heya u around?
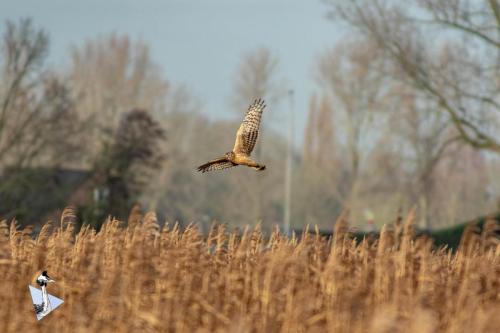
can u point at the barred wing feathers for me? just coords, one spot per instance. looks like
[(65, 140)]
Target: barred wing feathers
[(217, 164), (247, 134)]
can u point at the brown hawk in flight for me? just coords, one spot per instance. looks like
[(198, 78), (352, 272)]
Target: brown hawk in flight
[(246, 137)]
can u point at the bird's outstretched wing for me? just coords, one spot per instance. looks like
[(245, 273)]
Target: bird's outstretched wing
[(247, 134), (217, 164)]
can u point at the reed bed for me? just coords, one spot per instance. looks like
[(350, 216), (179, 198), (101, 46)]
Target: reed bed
[(140, 277)]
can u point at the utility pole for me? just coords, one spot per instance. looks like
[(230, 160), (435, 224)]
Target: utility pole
[(288, 167)]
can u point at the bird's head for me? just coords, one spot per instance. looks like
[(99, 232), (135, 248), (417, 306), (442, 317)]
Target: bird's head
[(230, 155)]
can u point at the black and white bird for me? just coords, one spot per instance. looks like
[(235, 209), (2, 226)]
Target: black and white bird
[(44, 308), (43, 279)]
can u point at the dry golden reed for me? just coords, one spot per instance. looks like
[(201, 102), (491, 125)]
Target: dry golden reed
[(147, 278)]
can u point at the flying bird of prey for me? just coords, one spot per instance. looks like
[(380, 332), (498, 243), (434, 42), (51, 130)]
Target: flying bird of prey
[(246, 137)]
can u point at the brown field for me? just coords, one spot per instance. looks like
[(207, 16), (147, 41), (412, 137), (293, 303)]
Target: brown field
[(143, 278)]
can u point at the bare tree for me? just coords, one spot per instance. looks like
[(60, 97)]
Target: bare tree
[(350, 75), (425, 138), (256, 78), (318, 198), (462, 186), (319, 142), (467, 86), (39, 128), (110, 76), (37, 117)]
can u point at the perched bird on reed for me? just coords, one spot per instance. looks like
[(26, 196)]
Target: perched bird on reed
[(246, 137)]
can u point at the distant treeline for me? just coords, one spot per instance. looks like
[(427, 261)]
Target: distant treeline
[(449, 237)]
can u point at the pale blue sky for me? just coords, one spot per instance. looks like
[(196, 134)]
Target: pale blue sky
[(198, 44)]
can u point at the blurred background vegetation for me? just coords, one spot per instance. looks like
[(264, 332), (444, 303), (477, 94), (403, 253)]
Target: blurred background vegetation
[(405, 113)]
